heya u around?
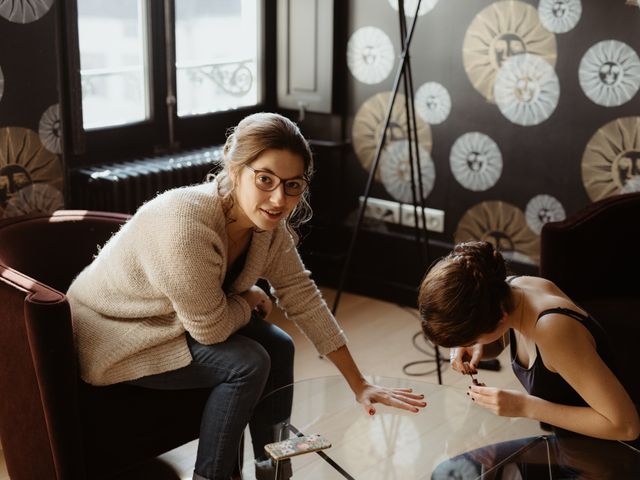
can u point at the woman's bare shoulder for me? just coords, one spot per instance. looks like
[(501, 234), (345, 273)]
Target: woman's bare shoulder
[(531, 281), (545, 295)]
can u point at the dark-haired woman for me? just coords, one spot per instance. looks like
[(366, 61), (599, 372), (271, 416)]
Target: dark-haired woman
[(559, 352)]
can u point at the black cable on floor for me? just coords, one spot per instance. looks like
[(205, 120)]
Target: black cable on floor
[(414, 340), (487, 364), (407, 366)]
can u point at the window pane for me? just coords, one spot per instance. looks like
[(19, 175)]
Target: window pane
[(113, 62), (217, 60)]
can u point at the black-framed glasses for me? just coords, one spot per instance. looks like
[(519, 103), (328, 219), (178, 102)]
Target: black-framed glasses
[(268, 182)]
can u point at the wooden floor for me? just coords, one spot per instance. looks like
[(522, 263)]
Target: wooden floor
[(381, 341)]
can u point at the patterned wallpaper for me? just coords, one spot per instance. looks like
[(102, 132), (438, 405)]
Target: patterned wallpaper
[(31, 172), (526, 110)]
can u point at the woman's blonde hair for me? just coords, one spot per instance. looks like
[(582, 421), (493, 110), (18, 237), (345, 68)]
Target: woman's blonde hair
[(254, 135)]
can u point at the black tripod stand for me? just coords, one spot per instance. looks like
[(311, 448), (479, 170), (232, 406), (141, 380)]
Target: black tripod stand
[(421, 236)]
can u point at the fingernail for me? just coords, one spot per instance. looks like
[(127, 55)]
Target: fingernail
[(415, 410), (371, 411), (469, 387), (467, 394), (421, 395), (473, 399)]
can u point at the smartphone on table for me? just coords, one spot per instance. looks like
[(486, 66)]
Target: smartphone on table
[(296, 446)]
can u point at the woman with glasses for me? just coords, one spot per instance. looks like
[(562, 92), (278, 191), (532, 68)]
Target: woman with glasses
[(171, 301)]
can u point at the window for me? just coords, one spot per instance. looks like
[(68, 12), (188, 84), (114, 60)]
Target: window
[(114, 67), (216, 55), (156, 75)]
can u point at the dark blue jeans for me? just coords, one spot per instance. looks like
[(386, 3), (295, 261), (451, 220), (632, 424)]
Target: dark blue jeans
[(254, 361), (564, 455)]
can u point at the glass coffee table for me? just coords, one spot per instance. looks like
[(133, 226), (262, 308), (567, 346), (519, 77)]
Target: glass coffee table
[(444, 440)]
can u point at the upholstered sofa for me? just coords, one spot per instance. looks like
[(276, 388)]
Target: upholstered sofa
[(52, 425), (594, 256)]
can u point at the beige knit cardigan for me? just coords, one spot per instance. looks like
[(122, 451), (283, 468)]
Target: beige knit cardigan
[(161, 274)]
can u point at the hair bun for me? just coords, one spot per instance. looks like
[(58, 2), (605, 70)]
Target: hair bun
[(481, 260)]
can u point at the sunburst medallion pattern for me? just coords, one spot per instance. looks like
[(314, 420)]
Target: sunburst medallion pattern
[(24, 11), (395, 171), (370, 55), (611, 159), (527, 90), (24, 161), (502, 224), (476, 161), (500, 31), (542, 209), (559, 16), (410, 6), (368, 126), (433, 103), (609, 73)]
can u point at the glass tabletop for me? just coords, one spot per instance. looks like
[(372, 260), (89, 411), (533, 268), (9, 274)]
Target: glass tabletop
[(557, 456), (451, 438)]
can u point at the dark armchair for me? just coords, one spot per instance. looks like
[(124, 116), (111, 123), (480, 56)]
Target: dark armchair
[(53, 425), (594, 257)]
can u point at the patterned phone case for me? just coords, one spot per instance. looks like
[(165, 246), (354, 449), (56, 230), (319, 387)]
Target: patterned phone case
[(296, 446)]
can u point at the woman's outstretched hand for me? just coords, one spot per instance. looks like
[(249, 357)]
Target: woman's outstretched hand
[(402, 398), (368, 394), (504, 403)]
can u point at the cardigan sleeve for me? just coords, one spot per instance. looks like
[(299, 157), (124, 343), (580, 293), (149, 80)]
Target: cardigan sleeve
[(184, 258), (299, 297)]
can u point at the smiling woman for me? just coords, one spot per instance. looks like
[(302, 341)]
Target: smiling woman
[(263, 151), (179, 307), (273, 196)]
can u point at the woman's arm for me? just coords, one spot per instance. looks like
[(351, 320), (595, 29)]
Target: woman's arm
[(302, 302), (568, 349), (298, 296), (368, 394), (610, 413)]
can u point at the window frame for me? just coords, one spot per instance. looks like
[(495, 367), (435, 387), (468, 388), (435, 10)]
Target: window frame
[(152, 136)]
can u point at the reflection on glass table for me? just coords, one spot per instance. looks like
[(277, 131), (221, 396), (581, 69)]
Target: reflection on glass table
[(392, 444)]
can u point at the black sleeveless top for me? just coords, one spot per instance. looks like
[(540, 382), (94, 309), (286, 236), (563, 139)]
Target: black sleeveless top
[(234, 271), (548, 385)]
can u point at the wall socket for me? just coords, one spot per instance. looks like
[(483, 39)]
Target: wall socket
[(402, 214)]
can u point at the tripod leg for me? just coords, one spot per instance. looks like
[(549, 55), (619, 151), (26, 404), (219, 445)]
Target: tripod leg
[(396, 83), (438, 364), (416, 171)]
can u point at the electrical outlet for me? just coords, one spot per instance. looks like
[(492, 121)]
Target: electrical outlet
[(383, 210), (435, 218), (403, 214)]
